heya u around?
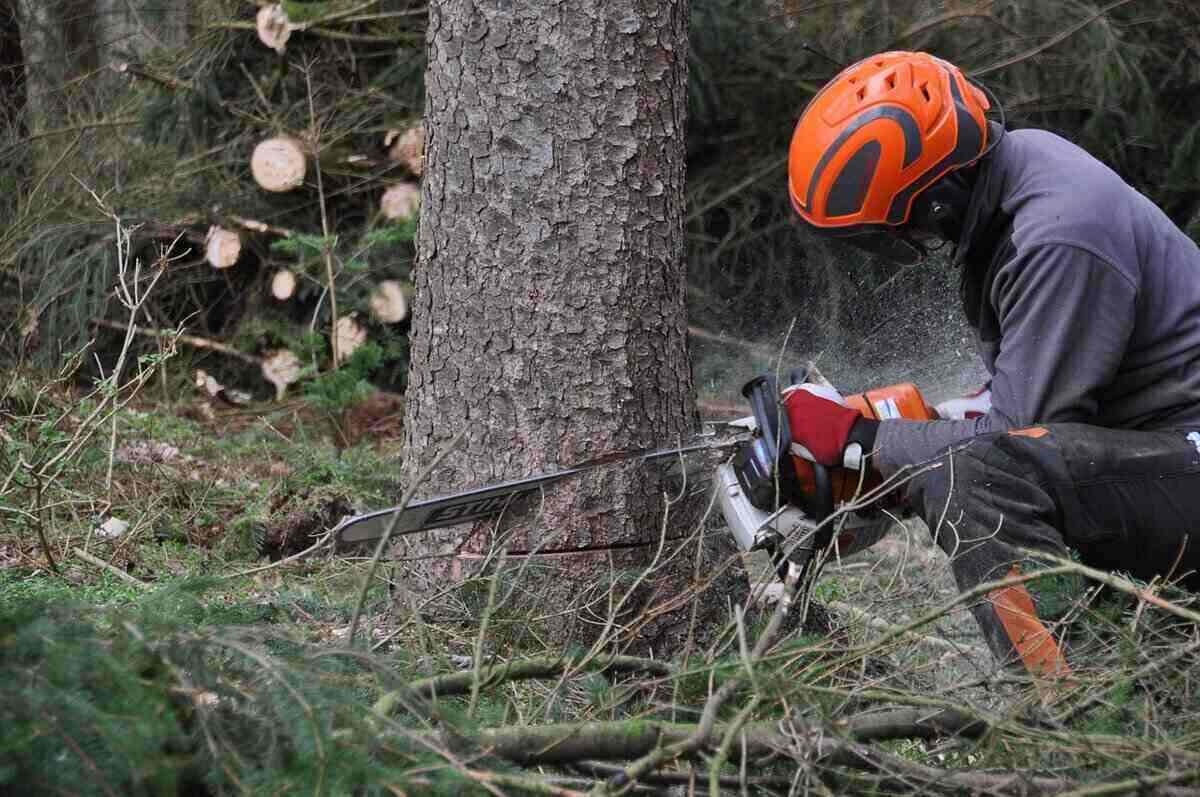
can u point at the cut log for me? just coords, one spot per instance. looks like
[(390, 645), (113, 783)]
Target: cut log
[(400, 201), (222, 247), (208, 385), (407, 147), (283, 285), (350, 335), (274, 27), (281, 368), (278, 164), (388, 302)]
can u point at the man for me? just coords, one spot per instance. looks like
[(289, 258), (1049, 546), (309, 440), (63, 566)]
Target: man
[(1086, 302)]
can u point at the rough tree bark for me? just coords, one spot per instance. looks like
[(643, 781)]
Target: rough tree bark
[(549, 316)]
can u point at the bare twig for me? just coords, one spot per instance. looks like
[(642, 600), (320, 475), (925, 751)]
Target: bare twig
[(1064, 565), (116, 571), (326, 243), (191, 340), (387, 534), (461, 683), (1053, 40)]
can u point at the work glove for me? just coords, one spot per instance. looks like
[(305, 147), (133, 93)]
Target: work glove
[(824, 426), (972, 405)]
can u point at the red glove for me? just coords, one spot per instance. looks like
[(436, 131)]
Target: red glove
[(821, 421)]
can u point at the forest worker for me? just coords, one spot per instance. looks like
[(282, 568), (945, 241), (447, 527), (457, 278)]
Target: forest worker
[(1085, 300)]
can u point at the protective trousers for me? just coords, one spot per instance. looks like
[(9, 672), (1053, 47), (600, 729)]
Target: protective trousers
[(1123, 500)]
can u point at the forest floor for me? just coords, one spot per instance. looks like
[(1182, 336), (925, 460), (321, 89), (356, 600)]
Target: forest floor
[(172, 494)]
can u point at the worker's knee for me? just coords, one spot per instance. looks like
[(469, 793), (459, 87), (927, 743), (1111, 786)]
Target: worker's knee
[(995, 486)]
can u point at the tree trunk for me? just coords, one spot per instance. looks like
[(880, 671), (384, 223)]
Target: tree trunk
[(14, 132), (549, 317), (132, 29), (60, 44)]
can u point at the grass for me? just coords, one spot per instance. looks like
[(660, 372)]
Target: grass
[(203, 490)]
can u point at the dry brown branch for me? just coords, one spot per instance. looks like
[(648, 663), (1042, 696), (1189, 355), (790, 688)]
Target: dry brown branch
[(262, 227), (191, 340), (330, 283)]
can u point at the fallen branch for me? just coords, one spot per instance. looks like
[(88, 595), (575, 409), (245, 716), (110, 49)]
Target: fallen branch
[(730, 782), (262, 227), (912, 723), (191, 340), (820, 748), (544, 667), (116, 571)]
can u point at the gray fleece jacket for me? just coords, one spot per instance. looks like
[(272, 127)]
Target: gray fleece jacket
[(1085, 298)]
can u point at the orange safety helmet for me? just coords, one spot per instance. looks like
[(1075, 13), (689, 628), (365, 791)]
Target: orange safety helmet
[(878, 134)]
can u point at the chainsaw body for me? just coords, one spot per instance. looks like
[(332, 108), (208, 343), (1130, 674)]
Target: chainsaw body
[(776, 500)]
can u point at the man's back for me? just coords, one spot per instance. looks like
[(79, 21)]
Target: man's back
[(1058, 195)]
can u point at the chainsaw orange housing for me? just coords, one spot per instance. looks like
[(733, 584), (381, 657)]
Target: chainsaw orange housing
[(901, 401)]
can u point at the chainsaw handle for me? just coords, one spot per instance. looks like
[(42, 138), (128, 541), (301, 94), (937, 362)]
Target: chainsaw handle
[(763, 394), (775, 437)]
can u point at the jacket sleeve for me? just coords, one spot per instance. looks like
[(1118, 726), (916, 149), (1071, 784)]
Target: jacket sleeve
[(1065, 317)]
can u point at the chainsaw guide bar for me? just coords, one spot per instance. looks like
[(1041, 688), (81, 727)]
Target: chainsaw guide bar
[(484, 502)]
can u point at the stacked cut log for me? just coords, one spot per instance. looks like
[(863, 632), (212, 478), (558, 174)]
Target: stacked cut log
[(388, 302), (408, 148), (283, 285), (400, 201), (281, 368), (222, 247), (273, 26), (279, 164), (349, 335)]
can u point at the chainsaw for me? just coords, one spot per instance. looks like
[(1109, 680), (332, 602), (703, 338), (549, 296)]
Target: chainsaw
[(772, 496)]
